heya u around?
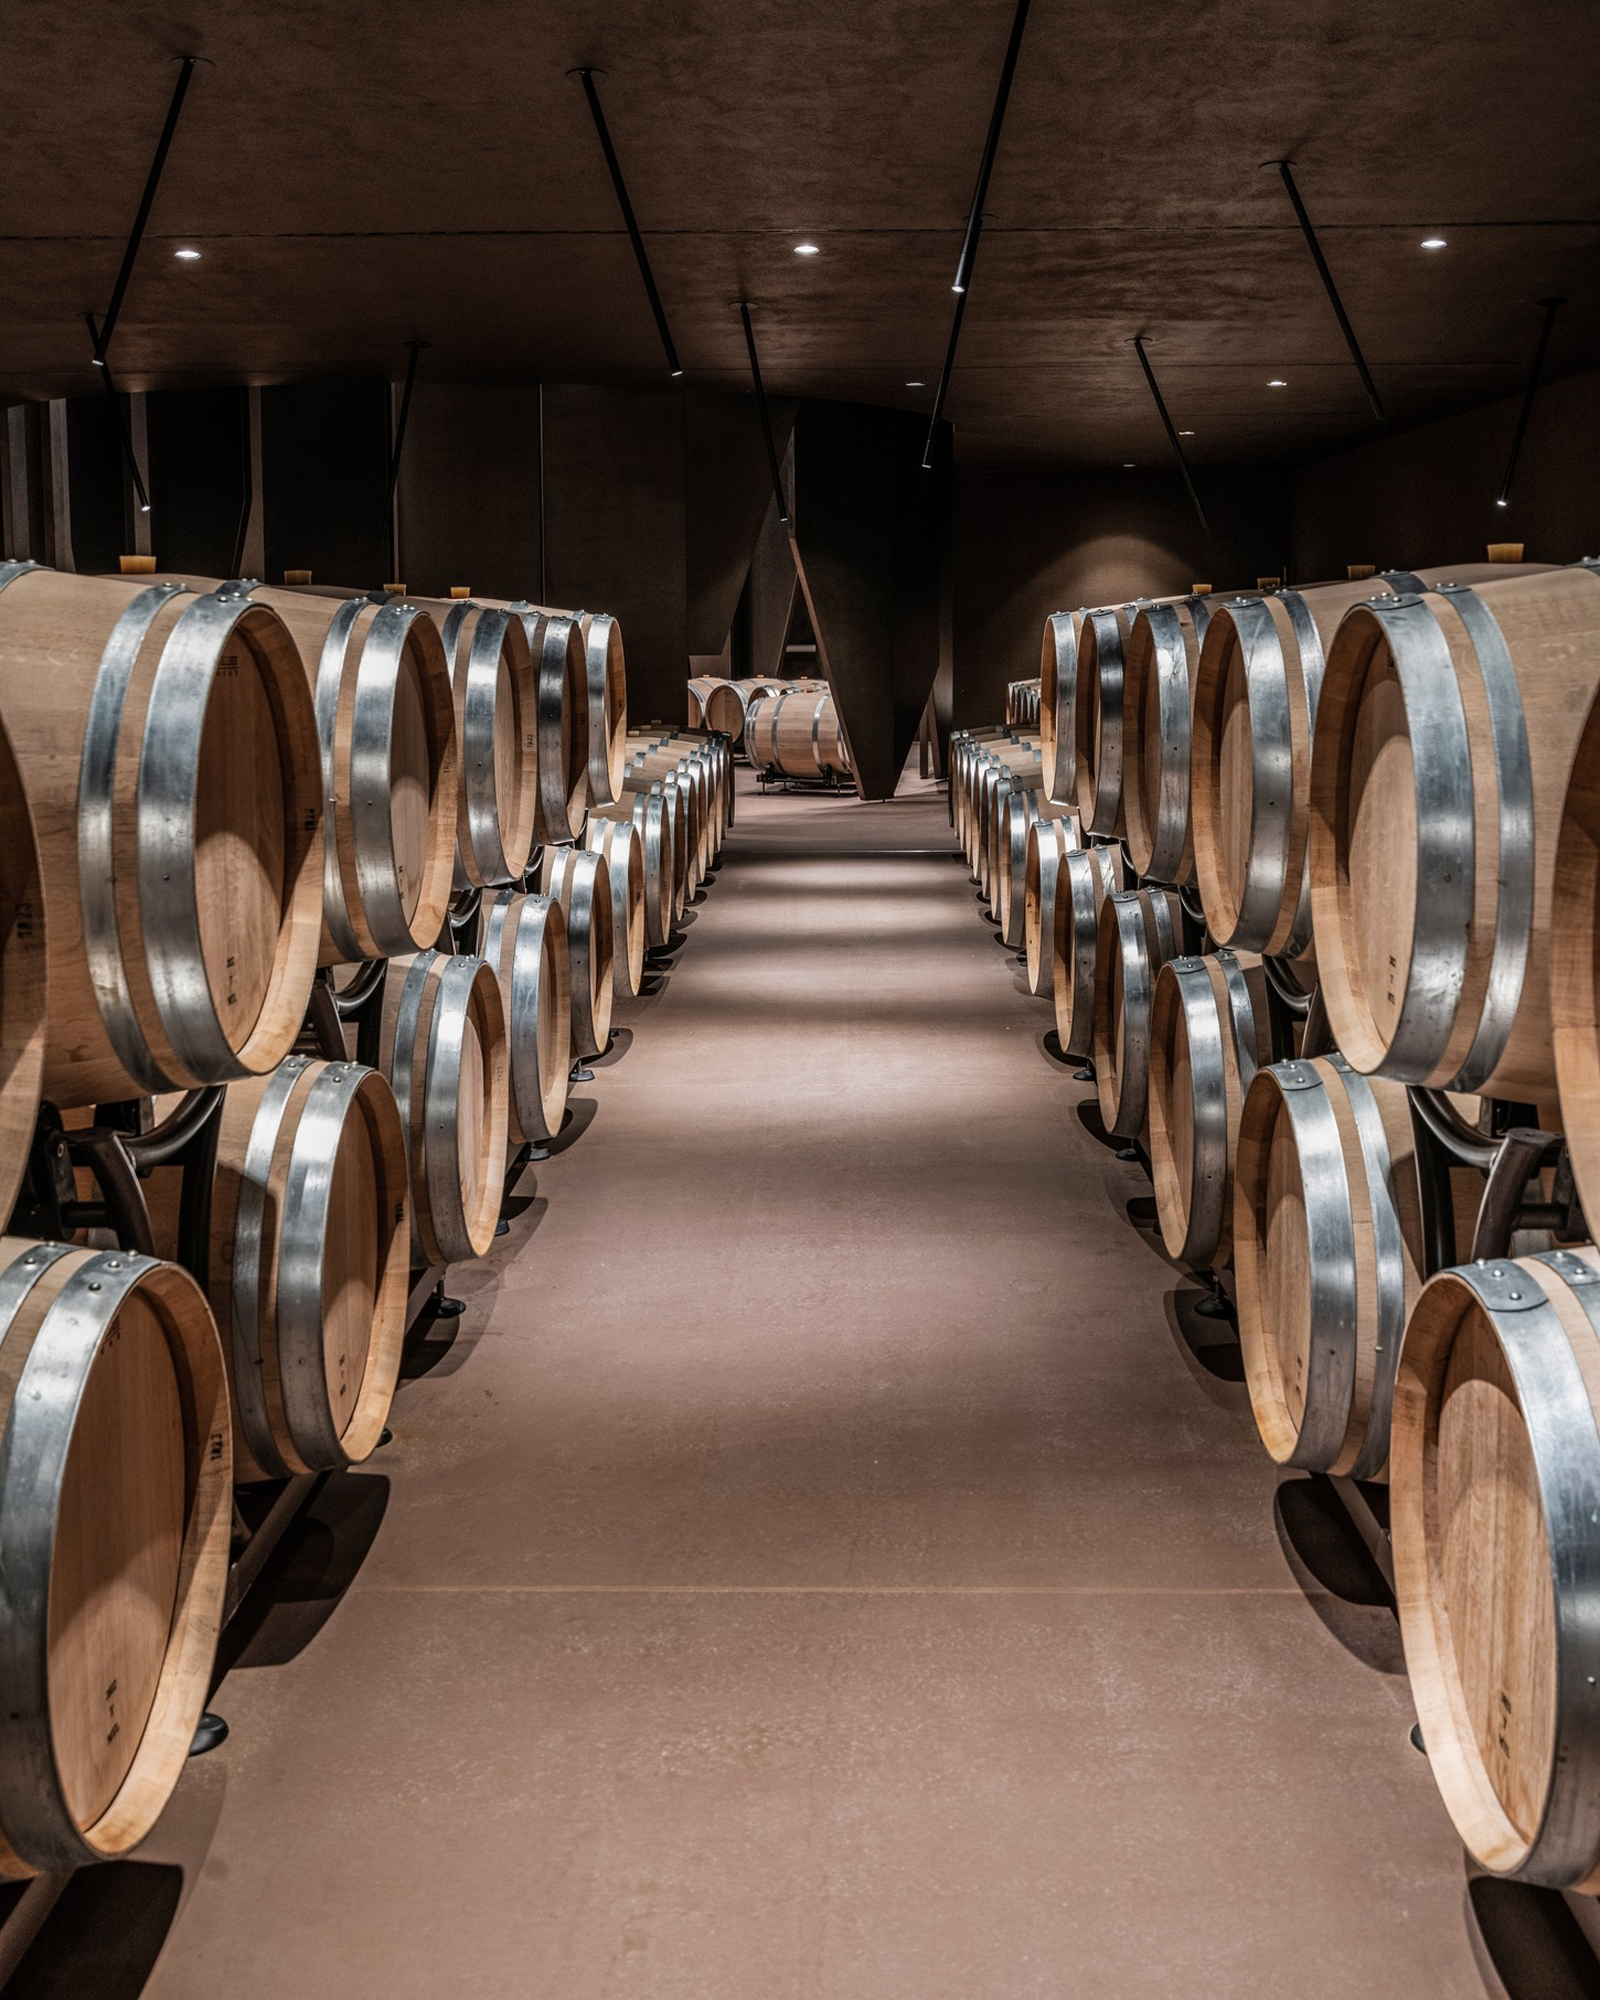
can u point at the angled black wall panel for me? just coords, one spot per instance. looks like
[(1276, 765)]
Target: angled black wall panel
[(727, 497)]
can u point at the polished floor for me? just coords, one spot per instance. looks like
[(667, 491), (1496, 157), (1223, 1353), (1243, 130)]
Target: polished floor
[(831, 1562)]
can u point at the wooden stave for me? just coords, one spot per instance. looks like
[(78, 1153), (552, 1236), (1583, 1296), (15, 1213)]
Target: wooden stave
[(24, 977), (1075, 942), (1137, 932), (581, 883), (618, 841), (525, 944), (352, 651), (1542, 1315), (131, 1009), (436, 993), (65, 1303), (1363, 1266), (1220, 1004), (1482, 902), (1161, 660), (277, 1147)]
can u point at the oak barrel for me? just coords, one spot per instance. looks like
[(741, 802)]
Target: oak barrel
[(1010, 889), (525, 945), (1574, 974), (717, 704), (1086, 877), (443, 1047), (170, 762), (1495, 1467), (1328, 1257), (1058, 688), (116, 1494), (309, 1261), (1097, 717), (391, 772), (796, 732), (23, 976), (581, 883), (1139, 930), (1445, 741), (1049, 843), (1161, 661), (648, 811), (1210, 1031), (495, 682), (559, 742), (618, 841)]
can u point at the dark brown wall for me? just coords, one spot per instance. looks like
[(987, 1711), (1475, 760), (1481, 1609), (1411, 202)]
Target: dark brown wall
[(1030, 541), (325, 474), (614, 528), (199, 451), (469, 489), (1428, 496)]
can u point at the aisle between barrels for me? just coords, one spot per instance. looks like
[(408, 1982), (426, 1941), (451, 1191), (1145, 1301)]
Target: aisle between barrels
[(829, 1559)]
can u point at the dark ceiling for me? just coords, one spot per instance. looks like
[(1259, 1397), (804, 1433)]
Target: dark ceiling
[(356, 175)]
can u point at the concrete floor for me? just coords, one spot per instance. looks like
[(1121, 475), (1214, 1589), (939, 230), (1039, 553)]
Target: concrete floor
[(831, 1562)]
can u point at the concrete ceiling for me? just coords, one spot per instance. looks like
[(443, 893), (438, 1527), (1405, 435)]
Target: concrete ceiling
[(359, 174)]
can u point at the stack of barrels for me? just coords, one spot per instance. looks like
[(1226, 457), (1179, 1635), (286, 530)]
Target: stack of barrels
[(791, 729), (1345, 846), (215, 800)]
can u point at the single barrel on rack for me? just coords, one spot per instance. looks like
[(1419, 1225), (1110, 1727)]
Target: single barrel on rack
[(1328, 1255), (1049, 843), (1058, 691), (580, 882), (1097, 717), (525, 945), (1210, 1031), (391, 770), (617, 840), (23, 976), (443, 1047), (1574, 970), (717, 704), (116, 1493), (1495, 1466), (797, 733), (1161, 661), (1445, 740), (649, 814), (555, 750), (167, 747), (495, 679), (309, 1262), (1139, 931), (1023, 810), (1085, 878)]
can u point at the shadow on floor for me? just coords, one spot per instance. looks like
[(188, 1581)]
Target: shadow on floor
[(1528, 1943), (1210, 1346), (1330, 1562), (618, 1046), (307, 1574), (102, 1939), (1050, 1044), (575, 1121)]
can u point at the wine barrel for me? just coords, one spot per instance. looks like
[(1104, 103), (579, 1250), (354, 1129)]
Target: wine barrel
[(1574, 984), (618, 841), (1328, 1256), (525, 945), (167, 747), (606, 730), (965, 744), (994, 862), (309, 1263), (1085, 878), (494, 678), (1160, 663), (970, 757), (1210, 1031), (796, 732), (443, 1047), (1139, 930), (23, 975), (1058, 689), (1497, 1565), (581, 883), (1257, 696), (1049, 843), (674, 835), (1010, 901), (706, 764), (559, 745), (683, 786), (391, 774), (647, 811), (716, 704), (1022, 703), (116, 1493), (1444, 745), (1097, 718)]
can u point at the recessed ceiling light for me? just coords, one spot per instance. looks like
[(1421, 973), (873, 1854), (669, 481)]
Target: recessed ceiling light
[(1277, 382), (1186, 434), (1500, 503), (916, 385), (187, 256), (808, 249), (1127, 465), (1434, 243)]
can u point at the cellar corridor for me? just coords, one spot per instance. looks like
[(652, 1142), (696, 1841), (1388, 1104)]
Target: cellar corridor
[(828, 1560)]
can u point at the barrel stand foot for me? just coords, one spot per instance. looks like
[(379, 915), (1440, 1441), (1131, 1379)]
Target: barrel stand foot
[(1084, 1075), (1129, 1153), (1215, 1304), (444, 1308), (580, 1073), (209, 1733)]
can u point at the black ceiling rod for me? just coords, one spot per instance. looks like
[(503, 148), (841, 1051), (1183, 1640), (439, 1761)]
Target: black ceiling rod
[(766, 414), (110, 388), (102, 340), (586, 77), (969, 242), (1551, 308), (1172, 435), (1285, 169), (414, 348)]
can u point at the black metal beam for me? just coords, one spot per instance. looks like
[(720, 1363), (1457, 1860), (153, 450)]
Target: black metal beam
[(766, 414), (414, 348), (110, 387), (108, 326), (1172, 435), (974, 229), (1286, 172), (1551, 308), (586, 77)]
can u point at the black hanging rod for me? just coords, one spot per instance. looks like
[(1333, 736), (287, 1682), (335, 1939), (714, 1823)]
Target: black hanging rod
[(1551, 308), (413, 349), (969, 242), (1172, 435), (586, 77), (108, 326), (1286, 173), (122, 422), (765, 413)]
